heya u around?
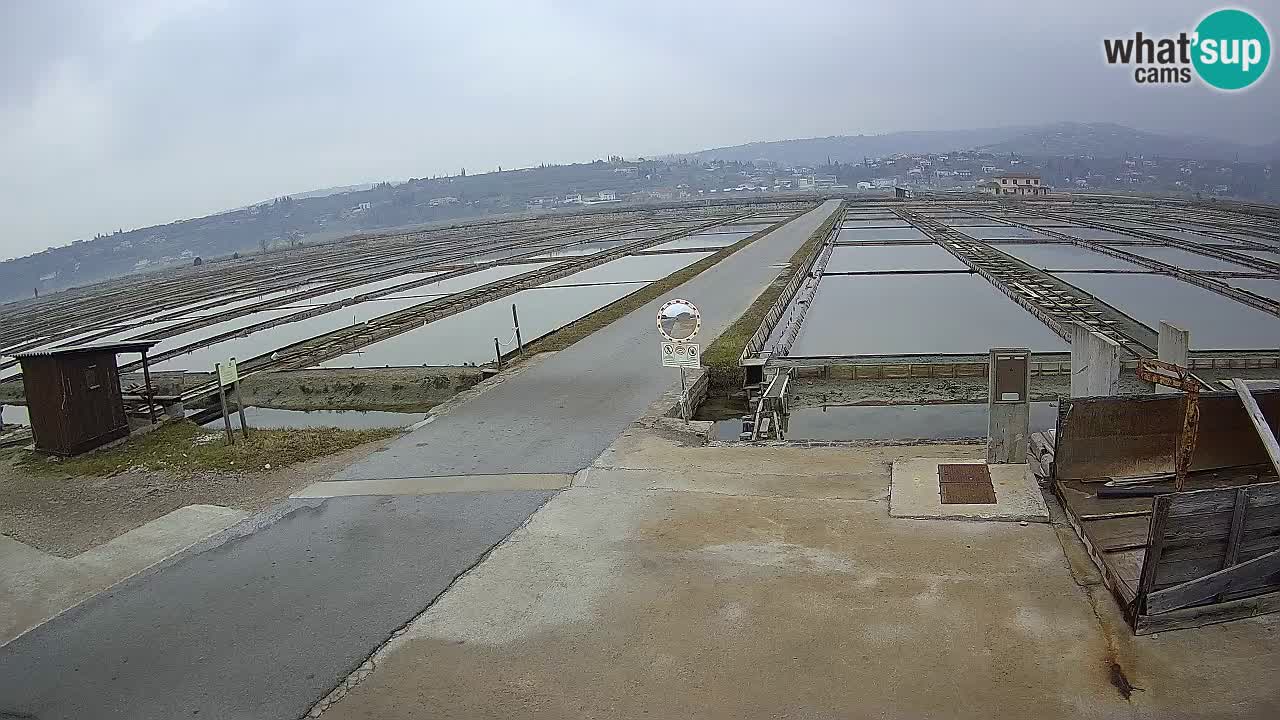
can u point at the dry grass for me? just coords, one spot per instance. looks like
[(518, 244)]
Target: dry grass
[(184, 447)]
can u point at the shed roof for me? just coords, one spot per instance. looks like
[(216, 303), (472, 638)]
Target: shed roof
[(118, 347)]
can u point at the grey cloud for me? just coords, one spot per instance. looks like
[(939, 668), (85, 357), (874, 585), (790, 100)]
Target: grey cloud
[(141, 111)]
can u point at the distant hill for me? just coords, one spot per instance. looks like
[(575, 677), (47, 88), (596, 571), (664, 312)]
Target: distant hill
[(853, 148), (1108, 140), (1100, 140)]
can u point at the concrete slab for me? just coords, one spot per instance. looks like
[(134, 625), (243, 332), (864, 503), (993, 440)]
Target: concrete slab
[(36, 586), (914, 493), (625, 602), (434, 485)]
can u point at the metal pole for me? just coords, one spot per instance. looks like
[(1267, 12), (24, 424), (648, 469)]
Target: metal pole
[(244, 425), (222, 397), (497, 351), (151, 396), (684, 398), (516, 319)]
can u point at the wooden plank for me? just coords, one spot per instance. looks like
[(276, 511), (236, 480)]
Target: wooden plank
[(1155, 545), (1232, 552), (1118, 533), (1189, 592), (1116, 437), (1207, 614), (1267, 437), (1199, 502)]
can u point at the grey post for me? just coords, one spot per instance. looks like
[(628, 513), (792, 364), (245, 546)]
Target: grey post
[(1095, 363), (1174, 347), (1009, 403), (497, 351), (516, 320), (222, 397)]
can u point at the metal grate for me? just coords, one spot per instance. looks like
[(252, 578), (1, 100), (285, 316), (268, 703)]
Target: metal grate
[(965, 484)]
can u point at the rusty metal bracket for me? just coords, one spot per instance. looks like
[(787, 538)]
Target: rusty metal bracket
[(1167, 374)]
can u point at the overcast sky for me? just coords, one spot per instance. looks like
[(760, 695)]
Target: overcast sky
[(129, 113)]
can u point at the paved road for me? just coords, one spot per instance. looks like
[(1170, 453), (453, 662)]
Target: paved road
[(264, 625), (261, 626), (557, 416)]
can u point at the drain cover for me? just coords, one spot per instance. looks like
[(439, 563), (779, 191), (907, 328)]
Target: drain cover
[(966, 484)]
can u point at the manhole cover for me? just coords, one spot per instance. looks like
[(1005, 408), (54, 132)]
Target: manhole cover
[(965, 484), (963, 473)]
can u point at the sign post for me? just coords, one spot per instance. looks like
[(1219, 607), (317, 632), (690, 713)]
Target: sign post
[(229, 374), (678, 322), (222, 397)]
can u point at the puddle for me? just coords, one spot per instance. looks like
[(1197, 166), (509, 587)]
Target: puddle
[(15, 415), (891, 422), (271, 418)]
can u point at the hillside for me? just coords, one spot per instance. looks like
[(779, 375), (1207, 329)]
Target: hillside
[(853, 148), (1107, 140), (1100, 140)]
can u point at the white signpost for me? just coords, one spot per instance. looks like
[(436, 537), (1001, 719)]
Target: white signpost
[(229, 376), (679, 322)]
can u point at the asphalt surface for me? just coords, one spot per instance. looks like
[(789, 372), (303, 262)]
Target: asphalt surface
[(261, 626), (559, 415)]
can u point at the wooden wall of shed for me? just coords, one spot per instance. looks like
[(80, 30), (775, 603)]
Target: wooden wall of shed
[(1104, 437), (68, 415)]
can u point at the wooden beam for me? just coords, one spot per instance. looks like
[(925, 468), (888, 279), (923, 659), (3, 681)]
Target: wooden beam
[(1259, 422), (1206, 587), (1155, 546), (1236, 534)]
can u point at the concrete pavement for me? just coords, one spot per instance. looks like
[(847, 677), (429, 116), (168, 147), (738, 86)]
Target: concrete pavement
[(771, 582), (263, 624), (558, 416)]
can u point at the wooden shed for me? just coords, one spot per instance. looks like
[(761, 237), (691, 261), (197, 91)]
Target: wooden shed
[(73, 395)]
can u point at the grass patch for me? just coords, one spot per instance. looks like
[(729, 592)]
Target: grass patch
[(181, 448), (721, 357), (586, 325)]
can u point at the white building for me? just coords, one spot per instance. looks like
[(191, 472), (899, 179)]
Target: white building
[(1019, 184)]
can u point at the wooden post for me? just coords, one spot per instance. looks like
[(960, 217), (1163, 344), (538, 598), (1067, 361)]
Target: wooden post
[(516, 319), (244, 424), (1259, 422), (497, 351), (222, 397), (151, 396)]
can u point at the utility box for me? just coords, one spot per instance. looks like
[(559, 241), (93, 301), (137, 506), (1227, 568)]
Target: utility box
[(1009, 405), (73, 396)]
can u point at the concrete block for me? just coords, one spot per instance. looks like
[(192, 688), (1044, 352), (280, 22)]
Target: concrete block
[(914, 493)]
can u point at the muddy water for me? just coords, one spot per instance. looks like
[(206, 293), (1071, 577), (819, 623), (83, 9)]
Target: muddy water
[(878, 258), (1216, 322), (891, 422), (908, 314)]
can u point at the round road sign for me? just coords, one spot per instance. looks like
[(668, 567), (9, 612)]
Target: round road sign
[(679, 320)]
